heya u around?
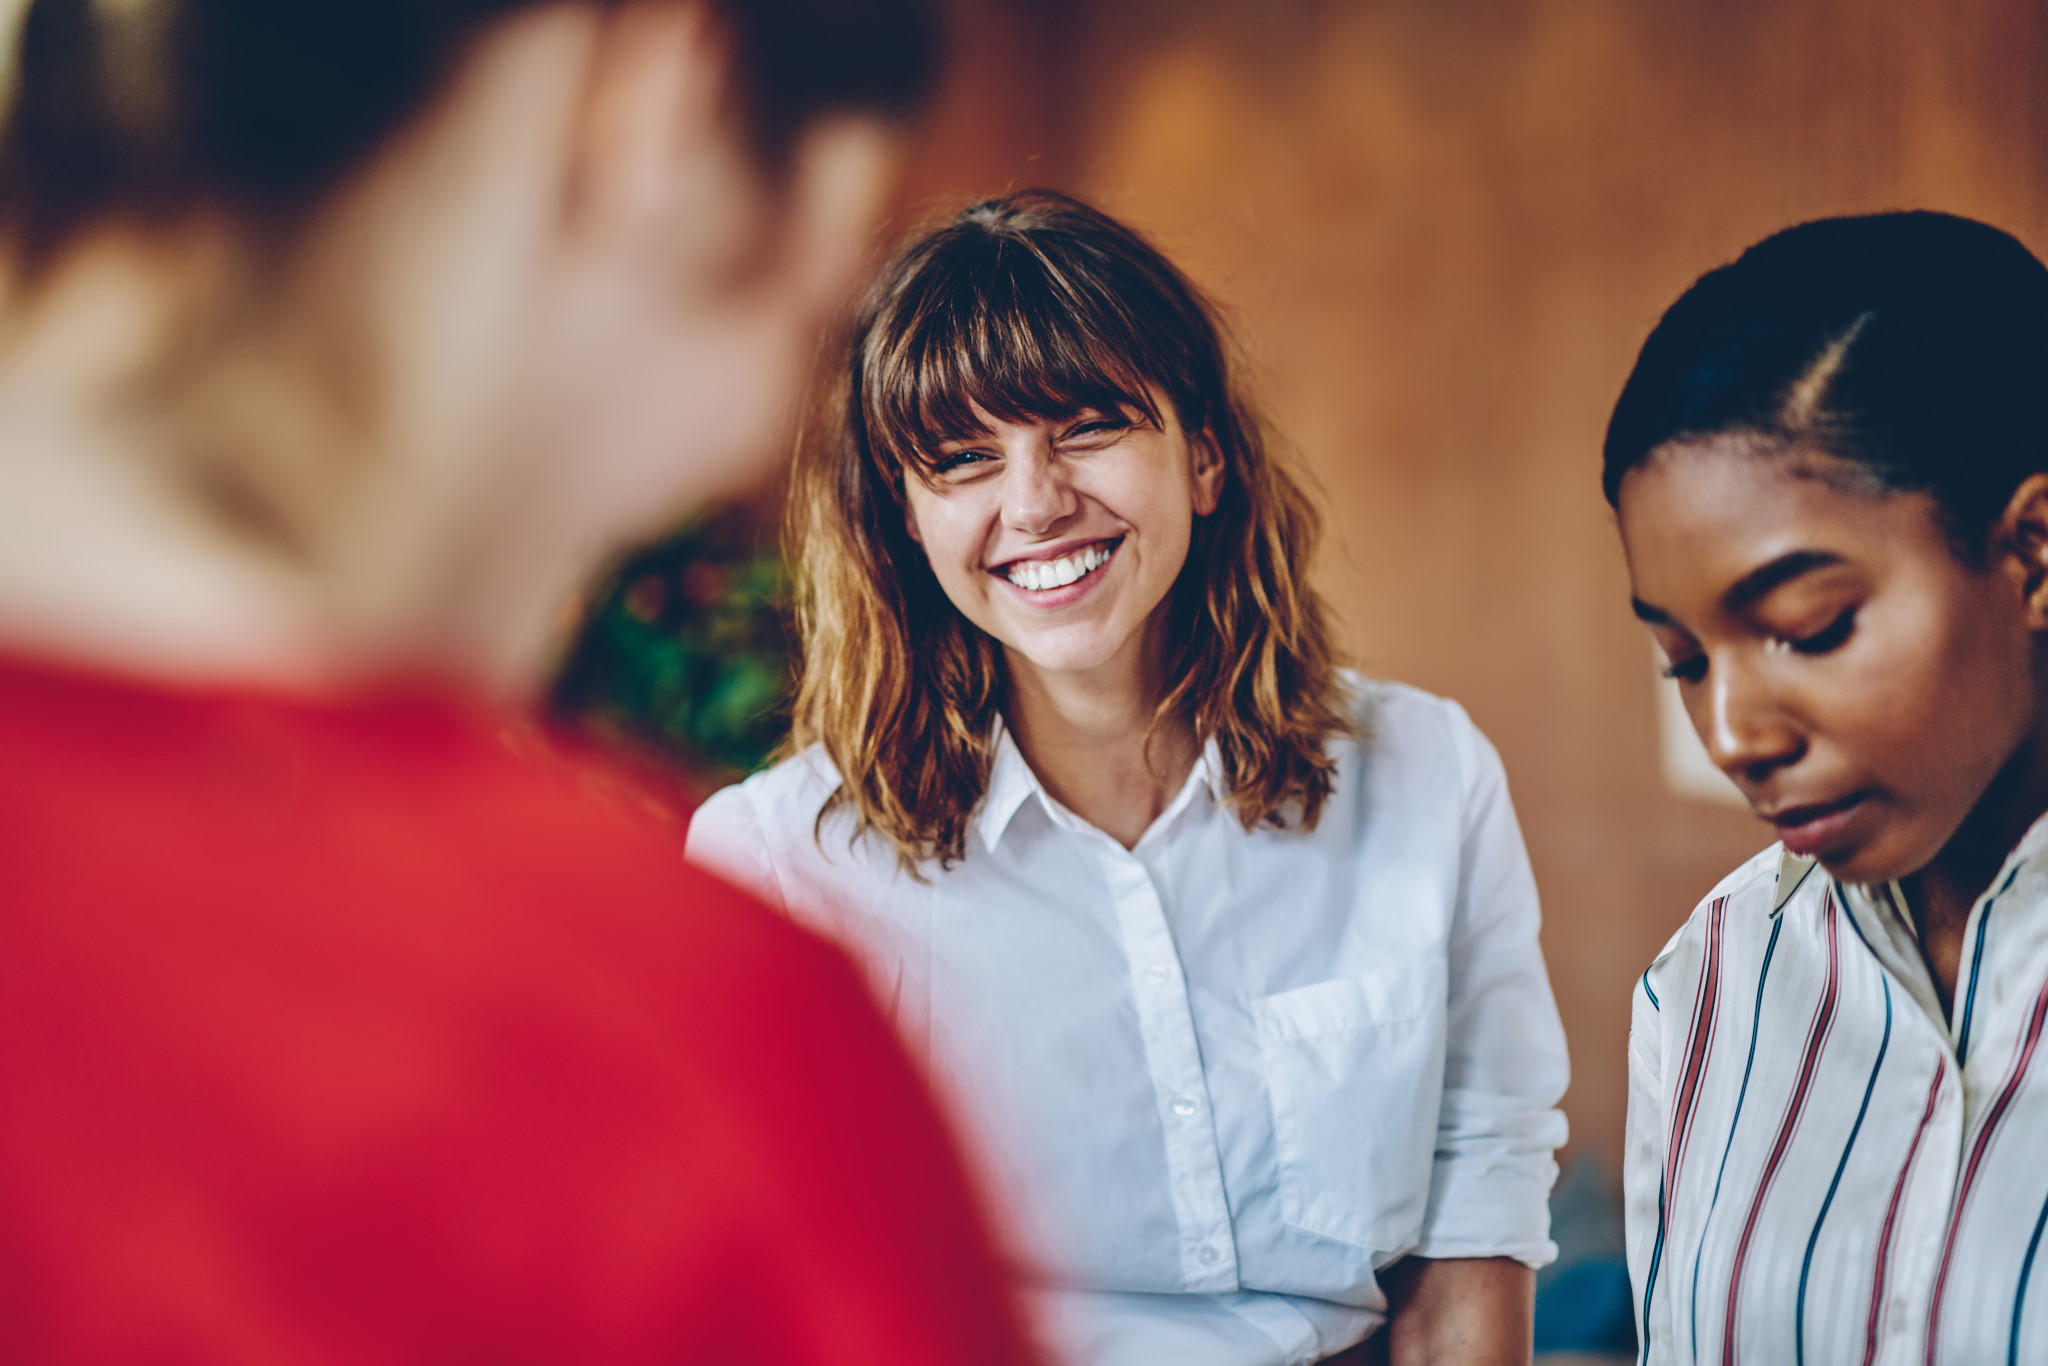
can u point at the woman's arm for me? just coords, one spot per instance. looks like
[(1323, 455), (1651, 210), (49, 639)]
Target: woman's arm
[(1466, 1295), (1643, 1172), (1460, 1311), (1505, 1064)]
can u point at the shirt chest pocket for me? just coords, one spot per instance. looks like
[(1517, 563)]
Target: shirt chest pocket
[(1354, 1069)]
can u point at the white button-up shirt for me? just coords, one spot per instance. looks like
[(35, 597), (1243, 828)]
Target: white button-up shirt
[(1222, 1077), (1823, 1166)]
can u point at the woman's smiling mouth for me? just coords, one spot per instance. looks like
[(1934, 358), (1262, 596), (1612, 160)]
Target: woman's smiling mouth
[(1048, 576)]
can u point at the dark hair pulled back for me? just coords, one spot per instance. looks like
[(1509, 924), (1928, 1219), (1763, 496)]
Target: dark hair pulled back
[(154, 107), (1912, 345)]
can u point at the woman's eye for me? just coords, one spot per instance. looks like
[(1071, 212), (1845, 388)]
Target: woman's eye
[(1096, 426), (1829, 637), (951, 462), (1691, 669)]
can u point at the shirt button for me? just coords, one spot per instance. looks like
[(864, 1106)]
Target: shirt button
[(1208, 1256), (1158, 977), (1184, 1107)]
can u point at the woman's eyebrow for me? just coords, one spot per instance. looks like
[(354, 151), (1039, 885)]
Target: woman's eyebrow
[(1654, 616), (960, 439), (1753, 587), (1759, 583)]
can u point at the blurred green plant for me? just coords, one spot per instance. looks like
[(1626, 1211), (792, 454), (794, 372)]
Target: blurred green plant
[(688, 651)]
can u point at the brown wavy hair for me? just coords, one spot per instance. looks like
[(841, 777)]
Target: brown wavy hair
[(1033, 307)]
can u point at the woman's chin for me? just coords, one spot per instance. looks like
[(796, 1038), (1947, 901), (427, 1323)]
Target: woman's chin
[(1874, 861), (1064, 653)]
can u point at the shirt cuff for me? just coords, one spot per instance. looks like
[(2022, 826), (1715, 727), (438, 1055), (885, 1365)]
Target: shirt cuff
[(1489, 1193)]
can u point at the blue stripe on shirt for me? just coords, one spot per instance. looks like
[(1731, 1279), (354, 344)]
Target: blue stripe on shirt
[(1869, 1088), (2019, 1296), (1977, 966)]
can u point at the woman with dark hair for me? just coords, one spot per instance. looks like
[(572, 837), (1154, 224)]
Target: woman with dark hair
[(1831, 473), (1232, 956), (344, 340)]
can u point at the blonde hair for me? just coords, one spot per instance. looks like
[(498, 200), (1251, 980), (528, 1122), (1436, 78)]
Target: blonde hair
[(1028, 307)]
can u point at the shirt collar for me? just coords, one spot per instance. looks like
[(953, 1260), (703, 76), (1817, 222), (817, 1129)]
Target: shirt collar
[(1011, 783), (2027, 850), (1794, 870)]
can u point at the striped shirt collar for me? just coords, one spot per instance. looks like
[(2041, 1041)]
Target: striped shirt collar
[(1011, 783), (1795, 871)]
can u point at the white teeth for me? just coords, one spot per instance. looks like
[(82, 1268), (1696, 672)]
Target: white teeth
[(1039, 575)]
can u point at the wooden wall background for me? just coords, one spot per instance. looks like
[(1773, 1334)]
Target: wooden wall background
[(1443, 227)]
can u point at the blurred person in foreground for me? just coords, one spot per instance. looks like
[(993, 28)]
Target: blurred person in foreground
[(342, 341)]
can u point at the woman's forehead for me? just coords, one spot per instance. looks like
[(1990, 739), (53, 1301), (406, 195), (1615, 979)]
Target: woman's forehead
[(1733, 481), (1697, 517)]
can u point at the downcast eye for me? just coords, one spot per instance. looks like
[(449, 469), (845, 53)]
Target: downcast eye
[(1830, 637), (1691, 669)]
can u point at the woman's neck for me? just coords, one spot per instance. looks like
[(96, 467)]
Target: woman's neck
[(226, 458), (1944, 893), (1091, 738), (101, 561)]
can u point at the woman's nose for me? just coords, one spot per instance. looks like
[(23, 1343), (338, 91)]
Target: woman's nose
[(1747, 733), (1036, 494)]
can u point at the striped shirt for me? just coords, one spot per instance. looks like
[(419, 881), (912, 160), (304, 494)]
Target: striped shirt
[(1823, 1165)]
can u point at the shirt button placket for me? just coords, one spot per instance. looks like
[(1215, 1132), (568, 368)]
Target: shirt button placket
[(1173, 1056)]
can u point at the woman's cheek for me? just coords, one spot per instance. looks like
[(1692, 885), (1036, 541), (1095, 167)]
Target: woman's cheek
[(1948, 702)]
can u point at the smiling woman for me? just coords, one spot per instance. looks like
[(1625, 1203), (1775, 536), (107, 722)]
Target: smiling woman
[(1832, 482), (1231, 956), (1030, 382)]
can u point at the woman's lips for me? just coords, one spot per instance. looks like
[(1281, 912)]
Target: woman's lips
[(1067, 594), (1809, 831)]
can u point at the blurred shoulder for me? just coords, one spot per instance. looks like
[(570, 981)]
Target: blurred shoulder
[(605, 891)]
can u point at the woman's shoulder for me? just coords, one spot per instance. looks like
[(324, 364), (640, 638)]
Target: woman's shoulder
[(1400, 725), (799, 785), (790, 795), (1739, 905), (784, 819)]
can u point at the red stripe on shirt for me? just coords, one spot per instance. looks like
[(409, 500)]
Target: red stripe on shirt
[(1816, 1040), (1985, 1133), (1891, 1223), (1699, 1047)]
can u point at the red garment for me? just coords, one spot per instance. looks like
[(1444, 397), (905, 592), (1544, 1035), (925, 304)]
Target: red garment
[(339, 1033)]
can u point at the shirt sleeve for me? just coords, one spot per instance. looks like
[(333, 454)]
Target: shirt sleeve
[(1643, 1174), (1505, 1063)]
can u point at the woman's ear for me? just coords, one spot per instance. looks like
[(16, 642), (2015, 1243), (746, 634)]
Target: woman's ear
[(657, 164), (2024, 533), (1207, 470)]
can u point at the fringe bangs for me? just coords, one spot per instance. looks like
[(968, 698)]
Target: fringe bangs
[(996, 326)]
